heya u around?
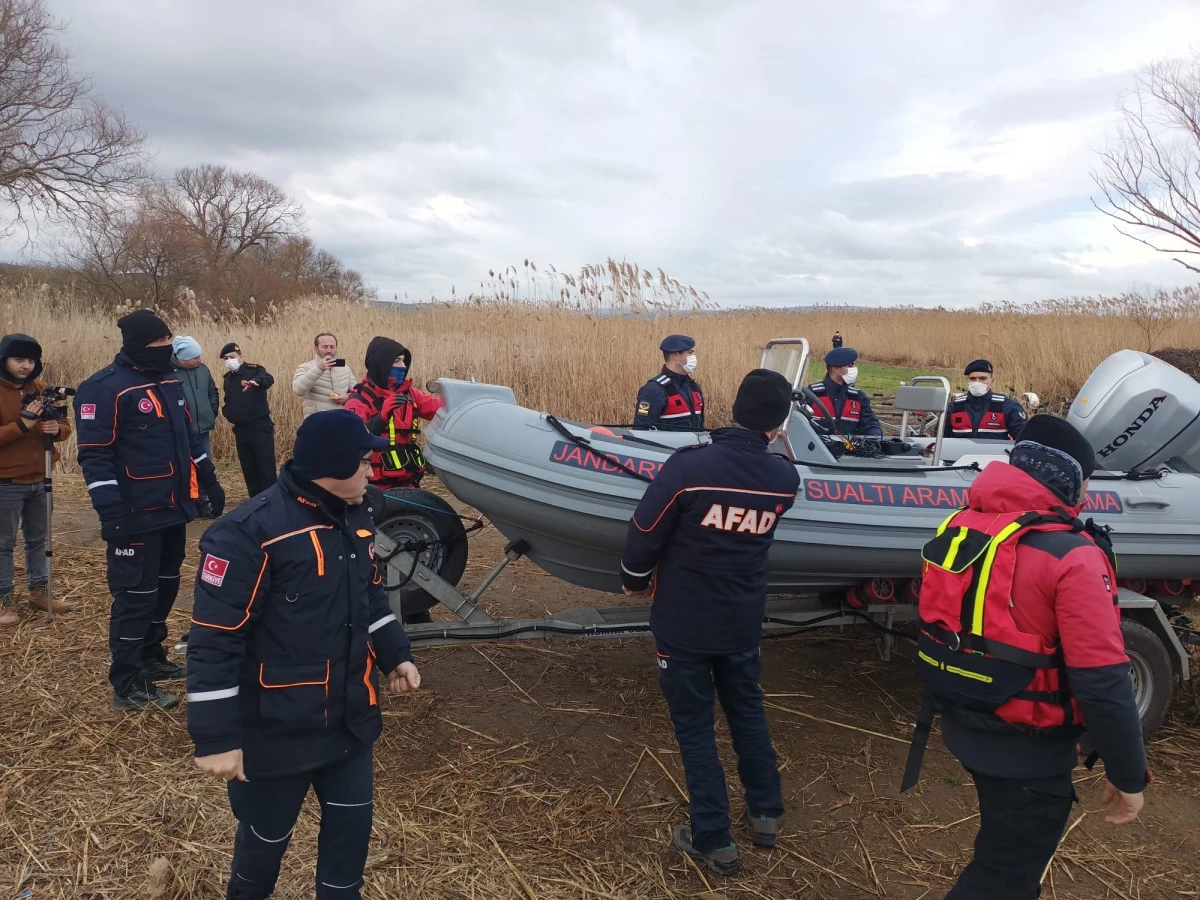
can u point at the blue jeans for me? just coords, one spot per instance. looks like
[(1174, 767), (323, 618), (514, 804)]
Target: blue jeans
[(23, 506), (206, 444), (690, 682)]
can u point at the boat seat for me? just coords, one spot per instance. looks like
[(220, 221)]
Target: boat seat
[(920, 398)]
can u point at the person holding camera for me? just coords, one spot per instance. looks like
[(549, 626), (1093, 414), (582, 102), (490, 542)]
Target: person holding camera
[(203, 401), (323, 382), (144, 467), (246, 407), (25, 423)]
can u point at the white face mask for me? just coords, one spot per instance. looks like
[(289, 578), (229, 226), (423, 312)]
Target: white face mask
[(233, 364), (689, 365), (851, 375), (978, 389)]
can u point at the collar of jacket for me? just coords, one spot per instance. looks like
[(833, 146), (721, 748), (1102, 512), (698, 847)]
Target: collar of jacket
[(982, 400), (832, 387), (312, 495), (675, 376), (742, 437), (121, 359)]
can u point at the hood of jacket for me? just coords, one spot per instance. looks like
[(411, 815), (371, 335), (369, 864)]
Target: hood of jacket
[(381, 353), (1003, 488), (21, 345)]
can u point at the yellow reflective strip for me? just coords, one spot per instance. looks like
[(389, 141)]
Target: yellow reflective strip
[(985, 574), (949, 519), (929, 659), (954, 545), (987, 679)]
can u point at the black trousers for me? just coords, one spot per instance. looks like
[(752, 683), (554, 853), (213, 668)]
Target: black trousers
[(266, 810), (143, 577), (691, 683), (1021, 822), (256, 453)]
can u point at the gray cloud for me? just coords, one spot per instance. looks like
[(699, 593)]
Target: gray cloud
[(913, 151)]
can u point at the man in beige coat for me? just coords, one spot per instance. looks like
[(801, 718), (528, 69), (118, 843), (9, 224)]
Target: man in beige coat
[(321, 383)]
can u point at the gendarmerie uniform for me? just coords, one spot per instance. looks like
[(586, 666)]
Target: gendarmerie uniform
[(991, 415), (671, 401)]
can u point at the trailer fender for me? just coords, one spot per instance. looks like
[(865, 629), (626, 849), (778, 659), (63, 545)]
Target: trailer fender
[(1146, 611)]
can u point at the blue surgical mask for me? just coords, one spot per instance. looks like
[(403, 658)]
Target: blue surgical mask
[(399, 373)]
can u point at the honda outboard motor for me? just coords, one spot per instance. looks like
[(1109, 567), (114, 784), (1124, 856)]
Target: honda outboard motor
[(1138, 412)]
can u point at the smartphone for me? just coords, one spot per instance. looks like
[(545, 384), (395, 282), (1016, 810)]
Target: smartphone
[(339, 362)]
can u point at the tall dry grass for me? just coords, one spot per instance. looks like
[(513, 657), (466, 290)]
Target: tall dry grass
[(587, 366)]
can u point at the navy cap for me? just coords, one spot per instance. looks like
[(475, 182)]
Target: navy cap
[(842, 356), (979, 365), (676, 343), (331, 444)]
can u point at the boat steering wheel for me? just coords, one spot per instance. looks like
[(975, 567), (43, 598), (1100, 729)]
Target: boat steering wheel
[(812, 409)]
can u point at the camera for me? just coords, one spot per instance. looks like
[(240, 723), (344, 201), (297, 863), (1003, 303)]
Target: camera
[(54, 401)]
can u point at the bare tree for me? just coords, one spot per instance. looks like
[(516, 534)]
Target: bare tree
[(1150, 173), (60, 149)]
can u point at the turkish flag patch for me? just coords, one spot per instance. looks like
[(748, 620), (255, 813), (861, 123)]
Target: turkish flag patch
[(213, 570), (87, 410)]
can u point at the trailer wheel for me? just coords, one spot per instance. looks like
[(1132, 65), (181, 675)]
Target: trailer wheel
[(1153, 679), (410, 514)]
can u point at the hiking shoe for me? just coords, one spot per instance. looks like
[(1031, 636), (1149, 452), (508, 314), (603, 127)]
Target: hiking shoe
[(158, 669), (38, 600), (722, 861), (764, 829), (8, 611), (143, 696)]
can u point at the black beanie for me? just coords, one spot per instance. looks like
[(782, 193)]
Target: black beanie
[(979, 365), (141, 328), (1059, 434), (228, 348), (763, 402)]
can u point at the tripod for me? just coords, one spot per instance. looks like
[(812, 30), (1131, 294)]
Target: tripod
[(48, 481)]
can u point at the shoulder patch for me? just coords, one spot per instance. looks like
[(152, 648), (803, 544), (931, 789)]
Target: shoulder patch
[(958, 397), (663, 380), (644, 407)]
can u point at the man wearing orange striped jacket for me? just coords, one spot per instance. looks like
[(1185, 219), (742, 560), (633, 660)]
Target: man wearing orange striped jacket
[(290, 630)]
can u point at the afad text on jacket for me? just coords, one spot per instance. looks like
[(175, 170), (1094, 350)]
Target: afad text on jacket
[(700, 539), (142, 463), (290, 628)]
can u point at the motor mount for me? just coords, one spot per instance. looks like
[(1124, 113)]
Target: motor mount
[(1138, 413)]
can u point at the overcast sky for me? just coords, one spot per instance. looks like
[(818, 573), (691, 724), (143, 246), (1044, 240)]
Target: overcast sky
[(767, 151)]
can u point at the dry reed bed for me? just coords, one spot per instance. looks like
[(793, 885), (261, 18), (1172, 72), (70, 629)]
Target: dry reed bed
[(590, 367)]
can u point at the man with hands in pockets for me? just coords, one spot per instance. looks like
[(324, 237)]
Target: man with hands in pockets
[(291, 626)]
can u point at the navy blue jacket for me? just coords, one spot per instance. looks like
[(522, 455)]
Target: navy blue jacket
[(290, 629), (849, 408), (141, 459), (700, 539), (670, 402), (993, 415)]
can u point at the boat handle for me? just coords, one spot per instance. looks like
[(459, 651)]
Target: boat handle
[(1141, 502)]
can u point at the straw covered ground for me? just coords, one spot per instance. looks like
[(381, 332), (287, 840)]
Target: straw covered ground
[(535, 770)]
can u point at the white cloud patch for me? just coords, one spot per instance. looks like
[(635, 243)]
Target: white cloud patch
[(914, 151)]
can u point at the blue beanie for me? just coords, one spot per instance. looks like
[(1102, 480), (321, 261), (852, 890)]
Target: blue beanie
[(186, 347), (331, 444)]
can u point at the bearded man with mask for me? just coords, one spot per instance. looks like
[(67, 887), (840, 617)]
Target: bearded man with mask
[(850, 408), (672, 401), (144, 467), (982, 412)]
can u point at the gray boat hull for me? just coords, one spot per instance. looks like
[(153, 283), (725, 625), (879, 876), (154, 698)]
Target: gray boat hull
[(573, 506)]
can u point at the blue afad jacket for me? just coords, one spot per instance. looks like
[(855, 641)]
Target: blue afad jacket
[(290, 629), (142, 463), (700, 539)]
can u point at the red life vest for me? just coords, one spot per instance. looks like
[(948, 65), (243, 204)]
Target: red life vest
[(977, 665), (677, 407), (403, 460), (851, 409), (991, 424)]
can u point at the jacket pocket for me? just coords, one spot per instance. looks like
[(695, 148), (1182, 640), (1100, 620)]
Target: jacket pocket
[(295, 696), (150, 487)]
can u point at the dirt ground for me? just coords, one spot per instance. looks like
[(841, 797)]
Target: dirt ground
[(532, 770)]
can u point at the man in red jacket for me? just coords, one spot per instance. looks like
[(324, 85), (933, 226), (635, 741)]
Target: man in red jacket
[(1020, 648)]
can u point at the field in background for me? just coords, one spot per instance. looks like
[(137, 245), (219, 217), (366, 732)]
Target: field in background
[(590, 367)]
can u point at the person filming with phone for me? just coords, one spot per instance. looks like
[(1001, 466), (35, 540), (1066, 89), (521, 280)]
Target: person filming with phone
[(323, 382)]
